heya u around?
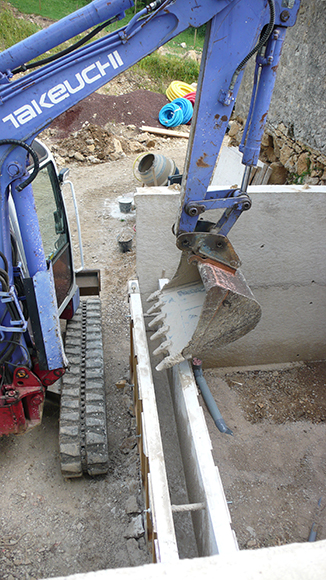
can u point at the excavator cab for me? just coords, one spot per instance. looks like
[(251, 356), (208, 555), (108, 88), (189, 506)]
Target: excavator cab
[(55, 232), (54, 228)]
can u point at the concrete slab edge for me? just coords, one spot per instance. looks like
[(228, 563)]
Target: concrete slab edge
[(289, 562)]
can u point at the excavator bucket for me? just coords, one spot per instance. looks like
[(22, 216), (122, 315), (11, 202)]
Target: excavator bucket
[(205, 306)]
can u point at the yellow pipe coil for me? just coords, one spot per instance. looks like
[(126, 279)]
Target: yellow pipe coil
[(178, 89)]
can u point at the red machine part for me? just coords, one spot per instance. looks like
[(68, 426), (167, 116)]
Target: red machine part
[(46, 377), (21, 403)]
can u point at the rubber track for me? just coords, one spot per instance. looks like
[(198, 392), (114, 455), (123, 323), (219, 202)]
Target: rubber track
[(83, 431)]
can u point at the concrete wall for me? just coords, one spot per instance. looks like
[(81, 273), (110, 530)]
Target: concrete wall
[(299, 95), (291, 562), (282, 244)]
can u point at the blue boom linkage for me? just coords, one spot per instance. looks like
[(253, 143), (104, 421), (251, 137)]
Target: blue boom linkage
[(236, 29)]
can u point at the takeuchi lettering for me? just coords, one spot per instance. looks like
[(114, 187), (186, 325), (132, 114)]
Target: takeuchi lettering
[(88, 75)]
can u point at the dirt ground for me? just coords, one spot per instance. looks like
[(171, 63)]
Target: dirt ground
[(273, 468), (51, 526)]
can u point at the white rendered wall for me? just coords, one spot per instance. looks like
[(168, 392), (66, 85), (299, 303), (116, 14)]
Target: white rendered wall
[(281, 241)]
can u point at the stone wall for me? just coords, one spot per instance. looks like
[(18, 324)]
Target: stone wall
[(291, 161), (298, 106)]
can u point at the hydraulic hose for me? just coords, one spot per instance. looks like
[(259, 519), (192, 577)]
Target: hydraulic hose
[(5, 271), (33, 154), (208, 398), (154, 6), (136, 22), (11, 345), (265, 36), (68, 50)]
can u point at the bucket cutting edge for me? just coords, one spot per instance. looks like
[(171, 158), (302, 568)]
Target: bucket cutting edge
[(202, 309)]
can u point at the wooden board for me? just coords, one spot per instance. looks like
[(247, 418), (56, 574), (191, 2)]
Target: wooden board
[(167, 132), (159, 520)]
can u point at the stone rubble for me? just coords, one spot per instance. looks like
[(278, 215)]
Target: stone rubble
[(135, 528), (94, 144), (290, 161)]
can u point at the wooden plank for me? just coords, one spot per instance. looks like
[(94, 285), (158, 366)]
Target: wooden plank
[(167, 132), (261, 175), (153, 464)]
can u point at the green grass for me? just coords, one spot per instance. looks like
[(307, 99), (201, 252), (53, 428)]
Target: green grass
[(13, 29), (164, 68), (193, 38), (160, 68), (54, 9)]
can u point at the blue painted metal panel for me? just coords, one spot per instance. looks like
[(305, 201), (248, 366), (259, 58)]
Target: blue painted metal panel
[(91, 15), (50, 324), (29, 229)]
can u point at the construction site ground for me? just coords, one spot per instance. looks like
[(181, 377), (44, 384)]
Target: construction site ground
[(273, 468)]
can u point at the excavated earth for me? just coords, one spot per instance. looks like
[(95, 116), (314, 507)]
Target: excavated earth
[(274, 466)]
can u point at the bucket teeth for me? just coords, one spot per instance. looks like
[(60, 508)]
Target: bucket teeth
[(154, 296), (160, 332), (169, 361), (157, 320), (163, 348), (155, 307), (151, 313)]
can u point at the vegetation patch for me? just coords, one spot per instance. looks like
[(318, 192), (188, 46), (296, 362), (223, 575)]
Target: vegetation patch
[(13, 29), (53, 10), (163, 68)]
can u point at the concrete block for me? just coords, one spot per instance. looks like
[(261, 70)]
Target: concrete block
[(229, 169), (156, 252)]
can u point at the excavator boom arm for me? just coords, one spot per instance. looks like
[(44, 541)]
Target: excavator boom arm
[(236, 29)]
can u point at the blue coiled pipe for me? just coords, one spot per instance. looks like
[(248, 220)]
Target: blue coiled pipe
[(178, 112)]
